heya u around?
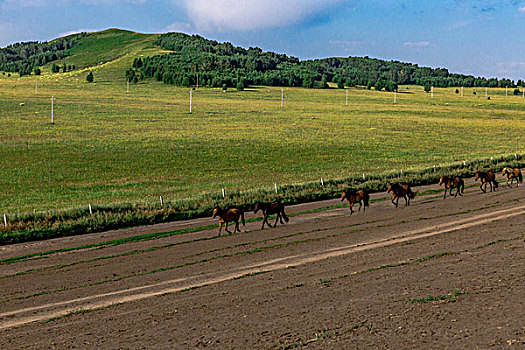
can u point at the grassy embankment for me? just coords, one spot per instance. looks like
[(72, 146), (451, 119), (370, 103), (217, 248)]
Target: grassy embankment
[(109, 148)]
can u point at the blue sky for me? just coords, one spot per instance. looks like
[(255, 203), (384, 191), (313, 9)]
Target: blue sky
[(482, 38)]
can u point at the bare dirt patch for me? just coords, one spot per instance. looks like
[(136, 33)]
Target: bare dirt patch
[(436, 274)]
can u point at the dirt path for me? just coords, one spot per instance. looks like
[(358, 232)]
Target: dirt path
[(327, 279)]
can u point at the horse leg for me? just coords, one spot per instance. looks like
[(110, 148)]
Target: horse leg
[(237, 228), (220, 228), (490, 183), (226, 228), (360, 205), (280, 218), (481, 187), (445, 194), (394, 203), (265, 218), (276, 219), (407, 200)]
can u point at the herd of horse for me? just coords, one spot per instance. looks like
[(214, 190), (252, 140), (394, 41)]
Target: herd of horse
[(362, 197)]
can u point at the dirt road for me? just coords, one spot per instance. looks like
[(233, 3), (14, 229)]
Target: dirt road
[(437, 274)]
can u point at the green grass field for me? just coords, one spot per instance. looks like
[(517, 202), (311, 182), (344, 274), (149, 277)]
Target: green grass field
[(108, 146)]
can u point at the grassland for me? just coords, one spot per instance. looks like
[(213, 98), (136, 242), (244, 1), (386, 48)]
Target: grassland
[(108, 146)]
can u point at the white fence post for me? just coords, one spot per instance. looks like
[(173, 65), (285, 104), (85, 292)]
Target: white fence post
[(322, 182), (161, 202), (276, 187), (90, 209), (223, 193), (5, 220), (52, 110), (191, 95)]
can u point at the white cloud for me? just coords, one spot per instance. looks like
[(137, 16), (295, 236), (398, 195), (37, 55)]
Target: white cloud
[(351, 45), (252, 14), (180, 27), (511, 68), (418, 44), (521, 9)]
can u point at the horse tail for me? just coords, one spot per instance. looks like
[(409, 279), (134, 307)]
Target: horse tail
[(411, 194), (495, 183), (520, 177), (462, 186)]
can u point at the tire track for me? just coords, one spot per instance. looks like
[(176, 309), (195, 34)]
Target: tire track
[(44, 312)]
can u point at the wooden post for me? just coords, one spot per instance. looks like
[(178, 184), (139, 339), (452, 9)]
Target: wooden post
[(223, 193), (5, 220), (364, 177), (322, 182), (395, 93), (90, 210), (276, 188), (52, 110), (434, 168), (431, 92), (191, 96), (346, 97), (161, 202), (464, 163)]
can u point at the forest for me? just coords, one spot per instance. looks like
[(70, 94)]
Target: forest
[(26, 58), (198, 61)]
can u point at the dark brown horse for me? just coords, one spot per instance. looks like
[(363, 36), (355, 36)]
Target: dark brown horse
[(486, 177), (398, 191), (356, 197), (511, 175), (271, 208), (228, 215), (452, 182)]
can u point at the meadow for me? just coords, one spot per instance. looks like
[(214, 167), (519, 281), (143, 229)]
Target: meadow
[(108, 146)]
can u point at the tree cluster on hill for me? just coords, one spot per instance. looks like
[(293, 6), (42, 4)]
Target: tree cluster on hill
[(217, 64), (25, 58)]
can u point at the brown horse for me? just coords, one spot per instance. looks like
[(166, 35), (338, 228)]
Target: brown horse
[(450, 183), (228, 215), (270, 208), (356, 197), (486, 177), (511, 175), (398, 191)]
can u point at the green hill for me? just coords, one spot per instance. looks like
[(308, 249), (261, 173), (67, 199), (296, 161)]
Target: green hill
[(109, 52), (177, 58)]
